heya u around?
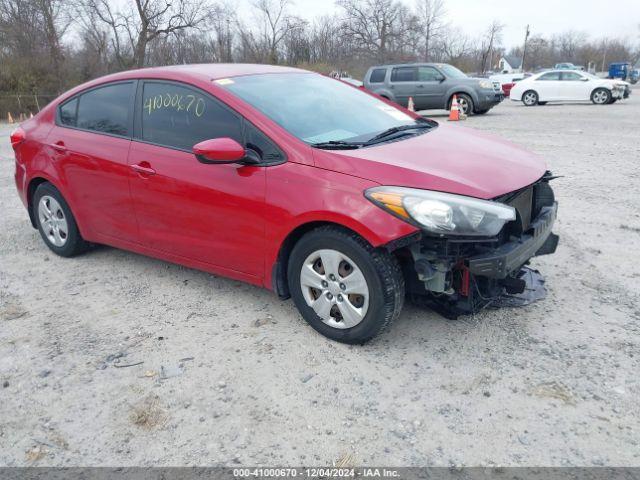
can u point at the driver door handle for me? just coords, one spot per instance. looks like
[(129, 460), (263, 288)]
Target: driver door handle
[(144, 168)]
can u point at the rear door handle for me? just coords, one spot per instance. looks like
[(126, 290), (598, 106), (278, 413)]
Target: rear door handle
[(59, 146), (144, 168)]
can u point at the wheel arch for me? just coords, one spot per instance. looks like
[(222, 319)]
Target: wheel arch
[(34, 183), (458, 91), (279, 281)]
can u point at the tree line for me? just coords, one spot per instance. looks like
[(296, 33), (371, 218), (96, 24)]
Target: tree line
[(46, 46)]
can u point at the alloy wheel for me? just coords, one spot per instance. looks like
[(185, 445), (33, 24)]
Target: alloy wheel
[(335, 288), (600, 97), (53, 221), (530, 98)]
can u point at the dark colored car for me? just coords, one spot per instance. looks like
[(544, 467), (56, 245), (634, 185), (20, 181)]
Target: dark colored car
[(432, 86), (291, 181)]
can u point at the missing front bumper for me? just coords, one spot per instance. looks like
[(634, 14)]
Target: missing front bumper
[(502, 261)]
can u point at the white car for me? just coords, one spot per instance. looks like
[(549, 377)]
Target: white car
[(568, 86)]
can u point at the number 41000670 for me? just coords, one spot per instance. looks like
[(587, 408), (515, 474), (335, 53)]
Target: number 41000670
[(189, 103)]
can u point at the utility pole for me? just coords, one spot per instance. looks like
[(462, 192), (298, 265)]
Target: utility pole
[(524, 50)]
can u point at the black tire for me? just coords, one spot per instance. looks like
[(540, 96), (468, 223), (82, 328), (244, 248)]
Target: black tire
[(74, 244), (612, 101), (542, 103), (380, 269), (601, 96), (530, 98), (465, 104)]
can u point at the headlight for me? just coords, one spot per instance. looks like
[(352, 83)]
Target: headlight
[(486, 84), (443, 213)]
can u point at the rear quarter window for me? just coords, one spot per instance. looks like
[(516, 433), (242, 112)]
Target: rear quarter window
[(69, 113), (377, 75)]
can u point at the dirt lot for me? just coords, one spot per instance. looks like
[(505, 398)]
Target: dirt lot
[(232, 375)]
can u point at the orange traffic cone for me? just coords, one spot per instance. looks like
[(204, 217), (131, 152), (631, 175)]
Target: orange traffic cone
[(454, 113), (9, 117), (410, 105)]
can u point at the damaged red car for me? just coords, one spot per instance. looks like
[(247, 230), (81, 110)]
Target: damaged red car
[(292, 181)]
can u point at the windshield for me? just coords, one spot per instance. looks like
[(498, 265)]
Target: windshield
[(452, 72), (317, 109)]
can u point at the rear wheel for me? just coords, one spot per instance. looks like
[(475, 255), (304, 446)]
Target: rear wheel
[(343, 287), (530, 98), (56, 223), (601, 96)]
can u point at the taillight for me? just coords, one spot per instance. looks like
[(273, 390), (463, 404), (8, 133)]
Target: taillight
[(17, 137)]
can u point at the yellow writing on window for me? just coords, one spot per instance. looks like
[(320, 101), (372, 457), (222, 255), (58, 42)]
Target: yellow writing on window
[(189, 103)]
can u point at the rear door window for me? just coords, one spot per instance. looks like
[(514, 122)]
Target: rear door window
[(404, 74), (105, 109), (377, 76), (571, 76), (551, 76), (179, 117)]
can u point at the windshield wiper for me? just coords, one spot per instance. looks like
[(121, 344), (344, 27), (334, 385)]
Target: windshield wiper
[(393, 130), (338, 145)]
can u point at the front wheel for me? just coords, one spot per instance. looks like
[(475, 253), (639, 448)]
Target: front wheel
[(465, 104), (343, 287), (530, 98), (601, 96)]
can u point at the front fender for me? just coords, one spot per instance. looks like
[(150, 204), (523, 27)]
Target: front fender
[(298, 198)]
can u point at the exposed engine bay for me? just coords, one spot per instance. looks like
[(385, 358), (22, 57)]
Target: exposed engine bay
[(461, 276)]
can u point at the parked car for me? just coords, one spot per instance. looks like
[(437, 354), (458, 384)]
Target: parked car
[(565, 66), (508, 80), (621, 70), (288, 180), (432, 86), (635, 76), (568, 86)]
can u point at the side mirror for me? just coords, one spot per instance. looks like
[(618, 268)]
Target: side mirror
[(584, 79), (441, 79), (220, 151)]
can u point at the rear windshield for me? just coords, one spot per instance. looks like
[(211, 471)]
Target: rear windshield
[(315, 108)]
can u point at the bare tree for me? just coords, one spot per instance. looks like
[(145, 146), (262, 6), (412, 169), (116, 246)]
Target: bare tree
[(491, 38), (137, 25), (373, 24), (276, 24), (431, 14)]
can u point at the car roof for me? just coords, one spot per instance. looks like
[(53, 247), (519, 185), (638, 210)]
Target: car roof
[(194, 73), (209, 71), (415, 64)]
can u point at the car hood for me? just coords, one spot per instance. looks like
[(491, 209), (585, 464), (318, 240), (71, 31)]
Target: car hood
[(449, 158)]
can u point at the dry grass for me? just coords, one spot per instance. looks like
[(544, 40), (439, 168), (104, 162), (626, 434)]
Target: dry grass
[(148, 413), (554, 390)]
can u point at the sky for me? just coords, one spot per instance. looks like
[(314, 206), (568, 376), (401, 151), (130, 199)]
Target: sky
[(619, 18)]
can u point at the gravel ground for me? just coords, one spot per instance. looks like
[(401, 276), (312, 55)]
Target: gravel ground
[(232, 375)]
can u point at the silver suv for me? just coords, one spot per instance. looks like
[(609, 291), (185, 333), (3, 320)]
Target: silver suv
[(432, 86)]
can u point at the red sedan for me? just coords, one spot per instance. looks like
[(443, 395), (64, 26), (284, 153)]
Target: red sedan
[(288, 180)]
